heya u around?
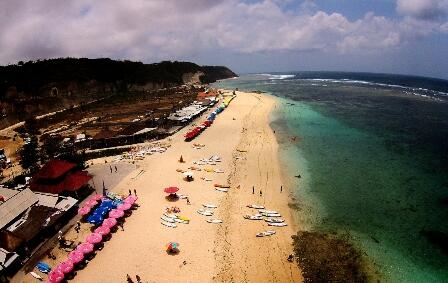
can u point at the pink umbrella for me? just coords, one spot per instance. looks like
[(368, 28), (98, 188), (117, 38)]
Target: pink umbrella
[(65, 267), (55, 276), (76, 256), (84, 210), (109, 222), (115, 213), (85, 248), (97, 197), (124, 206), (102, 230), (91, 202), (130, 199), (94, 238)]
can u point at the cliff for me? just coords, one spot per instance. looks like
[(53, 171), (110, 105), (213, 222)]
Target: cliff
[(39, 87)]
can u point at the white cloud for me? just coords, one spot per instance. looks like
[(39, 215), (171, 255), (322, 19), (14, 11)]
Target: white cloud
[(170, 29), (423, 9)]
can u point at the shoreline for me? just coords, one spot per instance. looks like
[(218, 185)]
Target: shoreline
[(228, 252)]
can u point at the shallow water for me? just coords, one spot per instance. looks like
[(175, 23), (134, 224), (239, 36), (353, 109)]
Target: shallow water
[(374, 165)]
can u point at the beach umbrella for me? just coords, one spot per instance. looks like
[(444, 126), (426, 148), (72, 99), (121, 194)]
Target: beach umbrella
[(91, 202), (109, 222), (171, 190), (188, 173), (85, 248), (94, 238), (97, 197), (95, 219), (115, 213), (172, 247), (130, 199), (124, 206), (76, 256), (102, 230), (55, 276), (84, 210), (66, 266), (108, 204)]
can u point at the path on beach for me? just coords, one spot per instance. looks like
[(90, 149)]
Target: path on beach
[(228, 252)]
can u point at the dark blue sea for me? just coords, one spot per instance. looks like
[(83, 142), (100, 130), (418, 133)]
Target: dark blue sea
[(372, 150)]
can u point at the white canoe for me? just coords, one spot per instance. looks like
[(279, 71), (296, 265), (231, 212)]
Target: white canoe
[(170, 215), (181, 221), (274, 220), (214, 221), (222, 190), (267, 211), (167, 219), (283, 224), (218, 171), (205, 212), (253, 217), (35, 275), (256, 206), (168, 224), (271, 214), (208, 205), (265, 233)]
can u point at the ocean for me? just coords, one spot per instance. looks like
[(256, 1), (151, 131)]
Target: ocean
[(372, 151)]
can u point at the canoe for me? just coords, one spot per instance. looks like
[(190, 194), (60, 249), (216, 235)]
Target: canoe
[(274, 220), (265, 233), (214, 221), (222, 190), (256, 206), (168, 224), (168, 219), (283, 224), (207, 205)]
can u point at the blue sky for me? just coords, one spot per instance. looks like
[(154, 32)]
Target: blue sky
[(393, 36)]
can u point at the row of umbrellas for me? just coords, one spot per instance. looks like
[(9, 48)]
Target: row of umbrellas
[(76, 256)]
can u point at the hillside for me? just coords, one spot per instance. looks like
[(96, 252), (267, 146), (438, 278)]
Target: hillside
[(38, 87)]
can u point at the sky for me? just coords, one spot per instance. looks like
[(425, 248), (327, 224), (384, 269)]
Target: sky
[(389, 36)]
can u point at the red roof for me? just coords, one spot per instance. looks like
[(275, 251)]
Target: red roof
[(53, 169), (71, 182)]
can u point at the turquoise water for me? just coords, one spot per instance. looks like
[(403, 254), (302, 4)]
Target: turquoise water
[(374, 165)]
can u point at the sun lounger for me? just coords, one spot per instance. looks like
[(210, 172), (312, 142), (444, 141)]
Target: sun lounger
[(169, 224), (205, 212), (209, 206), (271, 214), (267, 211), (168, 219), (253, 217)]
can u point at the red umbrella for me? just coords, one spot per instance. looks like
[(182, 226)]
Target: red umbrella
[(115, 213), (55, 276), (171, 190), (109, 222), (85, 248), (65, 267), (124, 206), (76, 256), (102, 230), (94, 238), (84, 210)]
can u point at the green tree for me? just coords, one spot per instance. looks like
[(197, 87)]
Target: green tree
[(51, 147), (29, 154)]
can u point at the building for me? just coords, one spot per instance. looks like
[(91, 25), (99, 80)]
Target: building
[(28, 219), (59, 177)]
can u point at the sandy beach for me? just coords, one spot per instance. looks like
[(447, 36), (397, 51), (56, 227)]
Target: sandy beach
[(227, 252)]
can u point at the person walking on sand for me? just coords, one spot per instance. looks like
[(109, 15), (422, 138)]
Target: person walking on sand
[(261, 193), (110, 168), (135, 192), (78, 227), (188, 201), (253, 189), (115, 168), (129, 279), (281, 188), (130, 192)]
